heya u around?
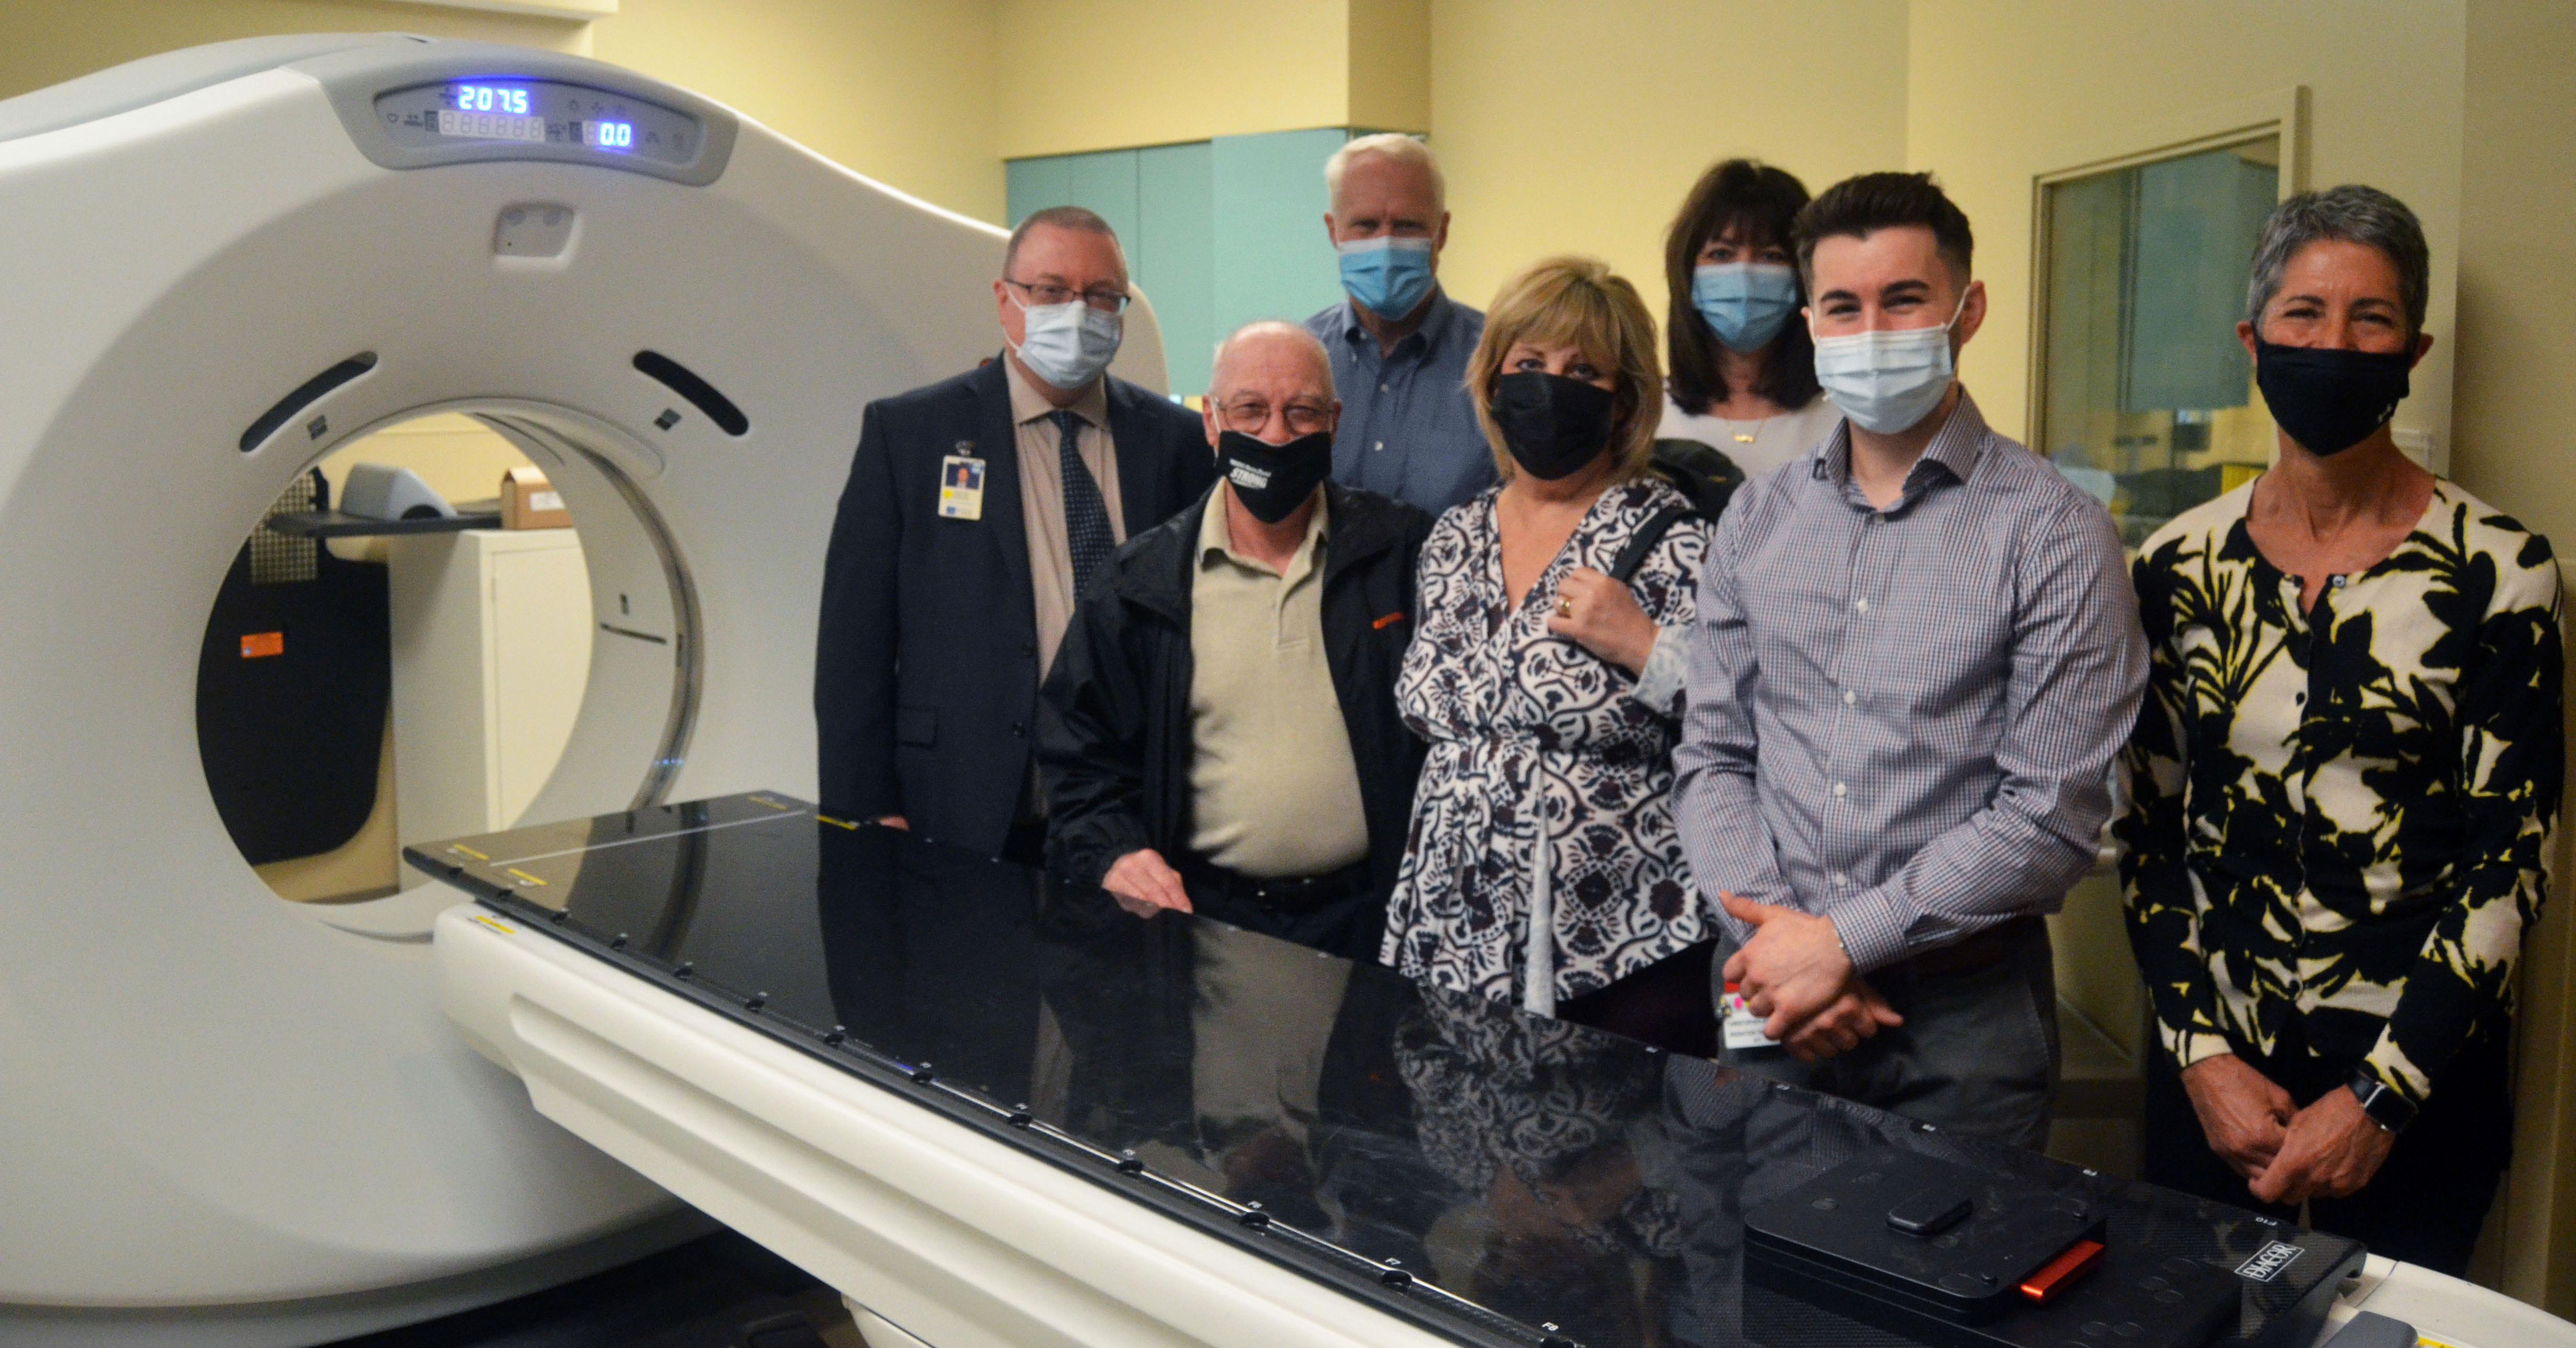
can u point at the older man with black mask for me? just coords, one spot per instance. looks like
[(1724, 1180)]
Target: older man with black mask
[(1219, 731)]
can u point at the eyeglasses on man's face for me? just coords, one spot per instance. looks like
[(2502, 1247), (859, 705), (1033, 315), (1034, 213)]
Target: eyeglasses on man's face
[(1102, 298), (1252, 416)]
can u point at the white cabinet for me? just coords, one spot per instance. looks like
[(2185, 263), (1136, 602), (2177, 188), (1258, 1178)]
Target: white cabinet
[(491, 652)]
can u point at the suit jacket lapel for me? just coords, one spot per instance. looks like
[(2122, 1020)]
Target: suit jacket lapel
[(997, 442), (1141, 470)]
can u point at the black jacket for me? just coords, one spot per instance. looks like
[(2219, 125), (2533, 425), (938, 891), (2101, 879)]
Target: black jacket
[(1114, 717), (926, 657)]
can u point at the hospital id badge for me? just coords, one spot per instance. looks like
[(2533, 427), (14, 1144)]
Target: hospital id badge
[(1743, 1028), (961, 487)]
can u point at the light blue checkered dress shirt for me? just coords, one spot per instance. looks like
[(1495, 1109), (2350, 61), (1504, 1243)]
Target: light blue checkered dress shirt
[(1902, 719)]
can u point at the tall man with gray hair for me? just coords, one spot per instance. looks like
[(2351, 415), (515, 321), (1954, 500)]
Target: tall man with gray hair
[(1399, 344), (1219, 733)]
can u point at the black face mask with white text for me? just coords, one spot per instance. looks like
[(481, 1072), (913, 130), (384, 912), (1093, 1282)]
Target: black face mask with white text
[(2330, 398), (1552, 425), (1273, 480)]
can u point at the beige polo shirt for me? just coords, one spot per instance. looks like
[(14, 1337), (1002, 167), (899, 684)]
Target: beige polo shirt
[(1042, 495), (1273, 787)]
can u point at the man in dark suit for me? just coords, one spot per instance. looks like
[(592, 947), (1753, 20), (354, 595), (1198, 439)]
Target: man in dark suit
[(977, 509)]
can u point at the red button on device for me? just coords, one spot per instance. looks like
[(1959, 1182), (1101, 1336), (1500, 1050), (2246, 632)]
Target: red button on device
[(2055, 1275)]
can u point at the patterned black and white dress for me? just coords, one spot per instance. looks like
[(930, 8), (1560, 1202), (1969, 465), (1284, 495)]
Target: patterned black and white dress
[(1535, 738), (2339, 821)]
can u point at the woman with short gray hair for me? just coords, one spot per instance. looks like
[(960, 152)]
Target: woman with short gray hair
[(2344, 779)]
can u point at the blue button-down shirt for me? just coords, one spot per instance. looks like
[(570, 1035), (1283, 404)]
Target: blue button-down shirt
[(1407, 429), (1902, 719)]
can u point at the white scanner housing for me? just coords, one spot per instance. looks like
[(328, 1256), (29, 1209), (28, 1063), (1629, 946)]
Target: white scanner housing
[(230, 1118)]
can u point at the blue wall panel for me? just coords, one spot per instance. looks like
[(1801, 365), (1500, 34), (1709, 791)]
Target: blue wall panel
[(1106, 184), (1273, 259), (1174, 256), (1032, 185)]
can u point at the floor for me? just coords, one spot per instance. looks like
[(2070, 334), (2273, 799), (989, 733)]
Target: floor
[(720, 1291)]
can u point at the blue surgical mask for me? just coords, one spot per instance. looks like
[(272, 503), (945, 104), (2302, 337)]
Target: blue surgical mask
[(1386, 275), (1067, 344), (1745, 303), (1888, 380)]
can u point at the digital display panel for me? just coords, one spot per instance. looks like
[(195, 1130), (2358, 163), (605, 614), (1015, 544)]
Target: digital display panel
[(491, 98), (608, 135), (491, 126), (505, 112)]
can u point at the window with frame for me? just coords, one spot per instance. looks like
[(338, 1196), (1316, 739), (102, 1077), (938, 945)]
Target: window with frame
[(2145, 396)]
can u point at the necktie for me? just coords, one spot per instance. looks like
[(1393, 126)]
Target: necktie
[(1086, 516)]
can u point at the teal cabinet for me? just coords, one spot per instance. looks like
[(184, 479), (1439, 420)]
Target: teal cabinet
[(1032, 185), (1273, 258), (1106, 183), (1175, 258)]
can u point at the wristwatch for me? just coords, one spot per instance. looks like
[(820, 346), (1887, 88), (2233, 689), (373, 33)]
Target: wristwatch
[(2390, 1110)]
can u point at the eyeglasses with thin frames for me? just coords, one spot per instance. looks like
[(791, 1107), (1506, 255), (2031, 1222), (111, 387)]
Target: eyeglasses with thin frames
[(1048, 292), (1251, 416)]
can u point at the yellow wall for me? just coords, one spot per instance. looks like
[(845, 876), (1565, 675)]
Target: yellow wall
[(49, 41), (1390, 65), (900, 90), (2516, 422), (1999, 91), (1565, 132), (1081, 75)]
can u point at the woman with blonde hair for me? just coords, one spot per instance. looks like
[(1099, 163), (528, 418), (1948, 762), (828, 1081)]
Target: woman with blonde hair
[(1542, 867)]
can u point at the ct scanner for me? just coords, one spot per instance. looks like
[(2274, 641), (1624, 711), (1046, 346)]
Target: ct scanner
[(228, 1119), (217, 1108)]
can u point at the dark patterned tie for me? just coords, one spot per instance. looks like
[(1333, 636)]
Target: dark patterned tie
[(1086, 517)]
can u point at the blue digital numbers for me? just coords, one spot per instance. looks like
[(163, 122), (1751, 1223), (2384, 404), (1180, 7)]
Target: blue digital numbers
[(491, 98), (580, 121)]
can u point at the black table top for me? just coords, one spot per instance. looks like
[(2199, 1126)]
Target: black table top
[(337, 524), (1497, 1177)]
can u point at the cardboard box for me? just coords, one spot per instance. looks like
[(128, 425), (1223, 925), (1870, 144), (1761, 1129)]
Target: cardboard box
[(528, 501)]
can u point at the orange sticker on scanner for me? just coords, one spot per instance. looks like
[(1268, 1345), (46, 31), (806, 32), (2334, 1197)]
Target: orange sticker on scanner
[(259, 645)]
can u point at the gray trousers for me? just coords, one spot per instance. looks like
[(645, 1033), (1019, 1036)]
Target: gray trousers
[(1977, 1055)]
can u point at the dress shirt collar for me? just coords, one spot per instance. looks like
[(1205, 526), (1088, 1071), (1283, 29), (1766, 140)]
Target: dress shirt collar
[(1437, 324), (1027, 404), (1216, 541), (1956, 449)]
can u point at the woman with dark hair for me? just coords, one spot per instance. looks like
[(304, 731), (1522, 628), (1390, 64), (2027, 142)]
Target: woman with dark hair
[(1743, 371)]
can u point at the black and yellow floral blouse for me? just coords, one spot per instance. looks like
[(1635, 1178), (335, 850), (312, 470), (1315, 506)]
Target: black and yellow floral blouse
[(2339, 820)]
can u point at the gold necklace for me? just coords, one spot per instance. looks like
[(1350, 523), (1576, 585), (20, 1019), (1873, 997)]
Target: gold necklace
[(1740, 437)]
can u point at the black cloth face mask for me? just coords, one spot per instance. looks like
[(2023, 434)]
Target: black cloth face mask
[(2329, 398), (1273, 480), (1552, 425)]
